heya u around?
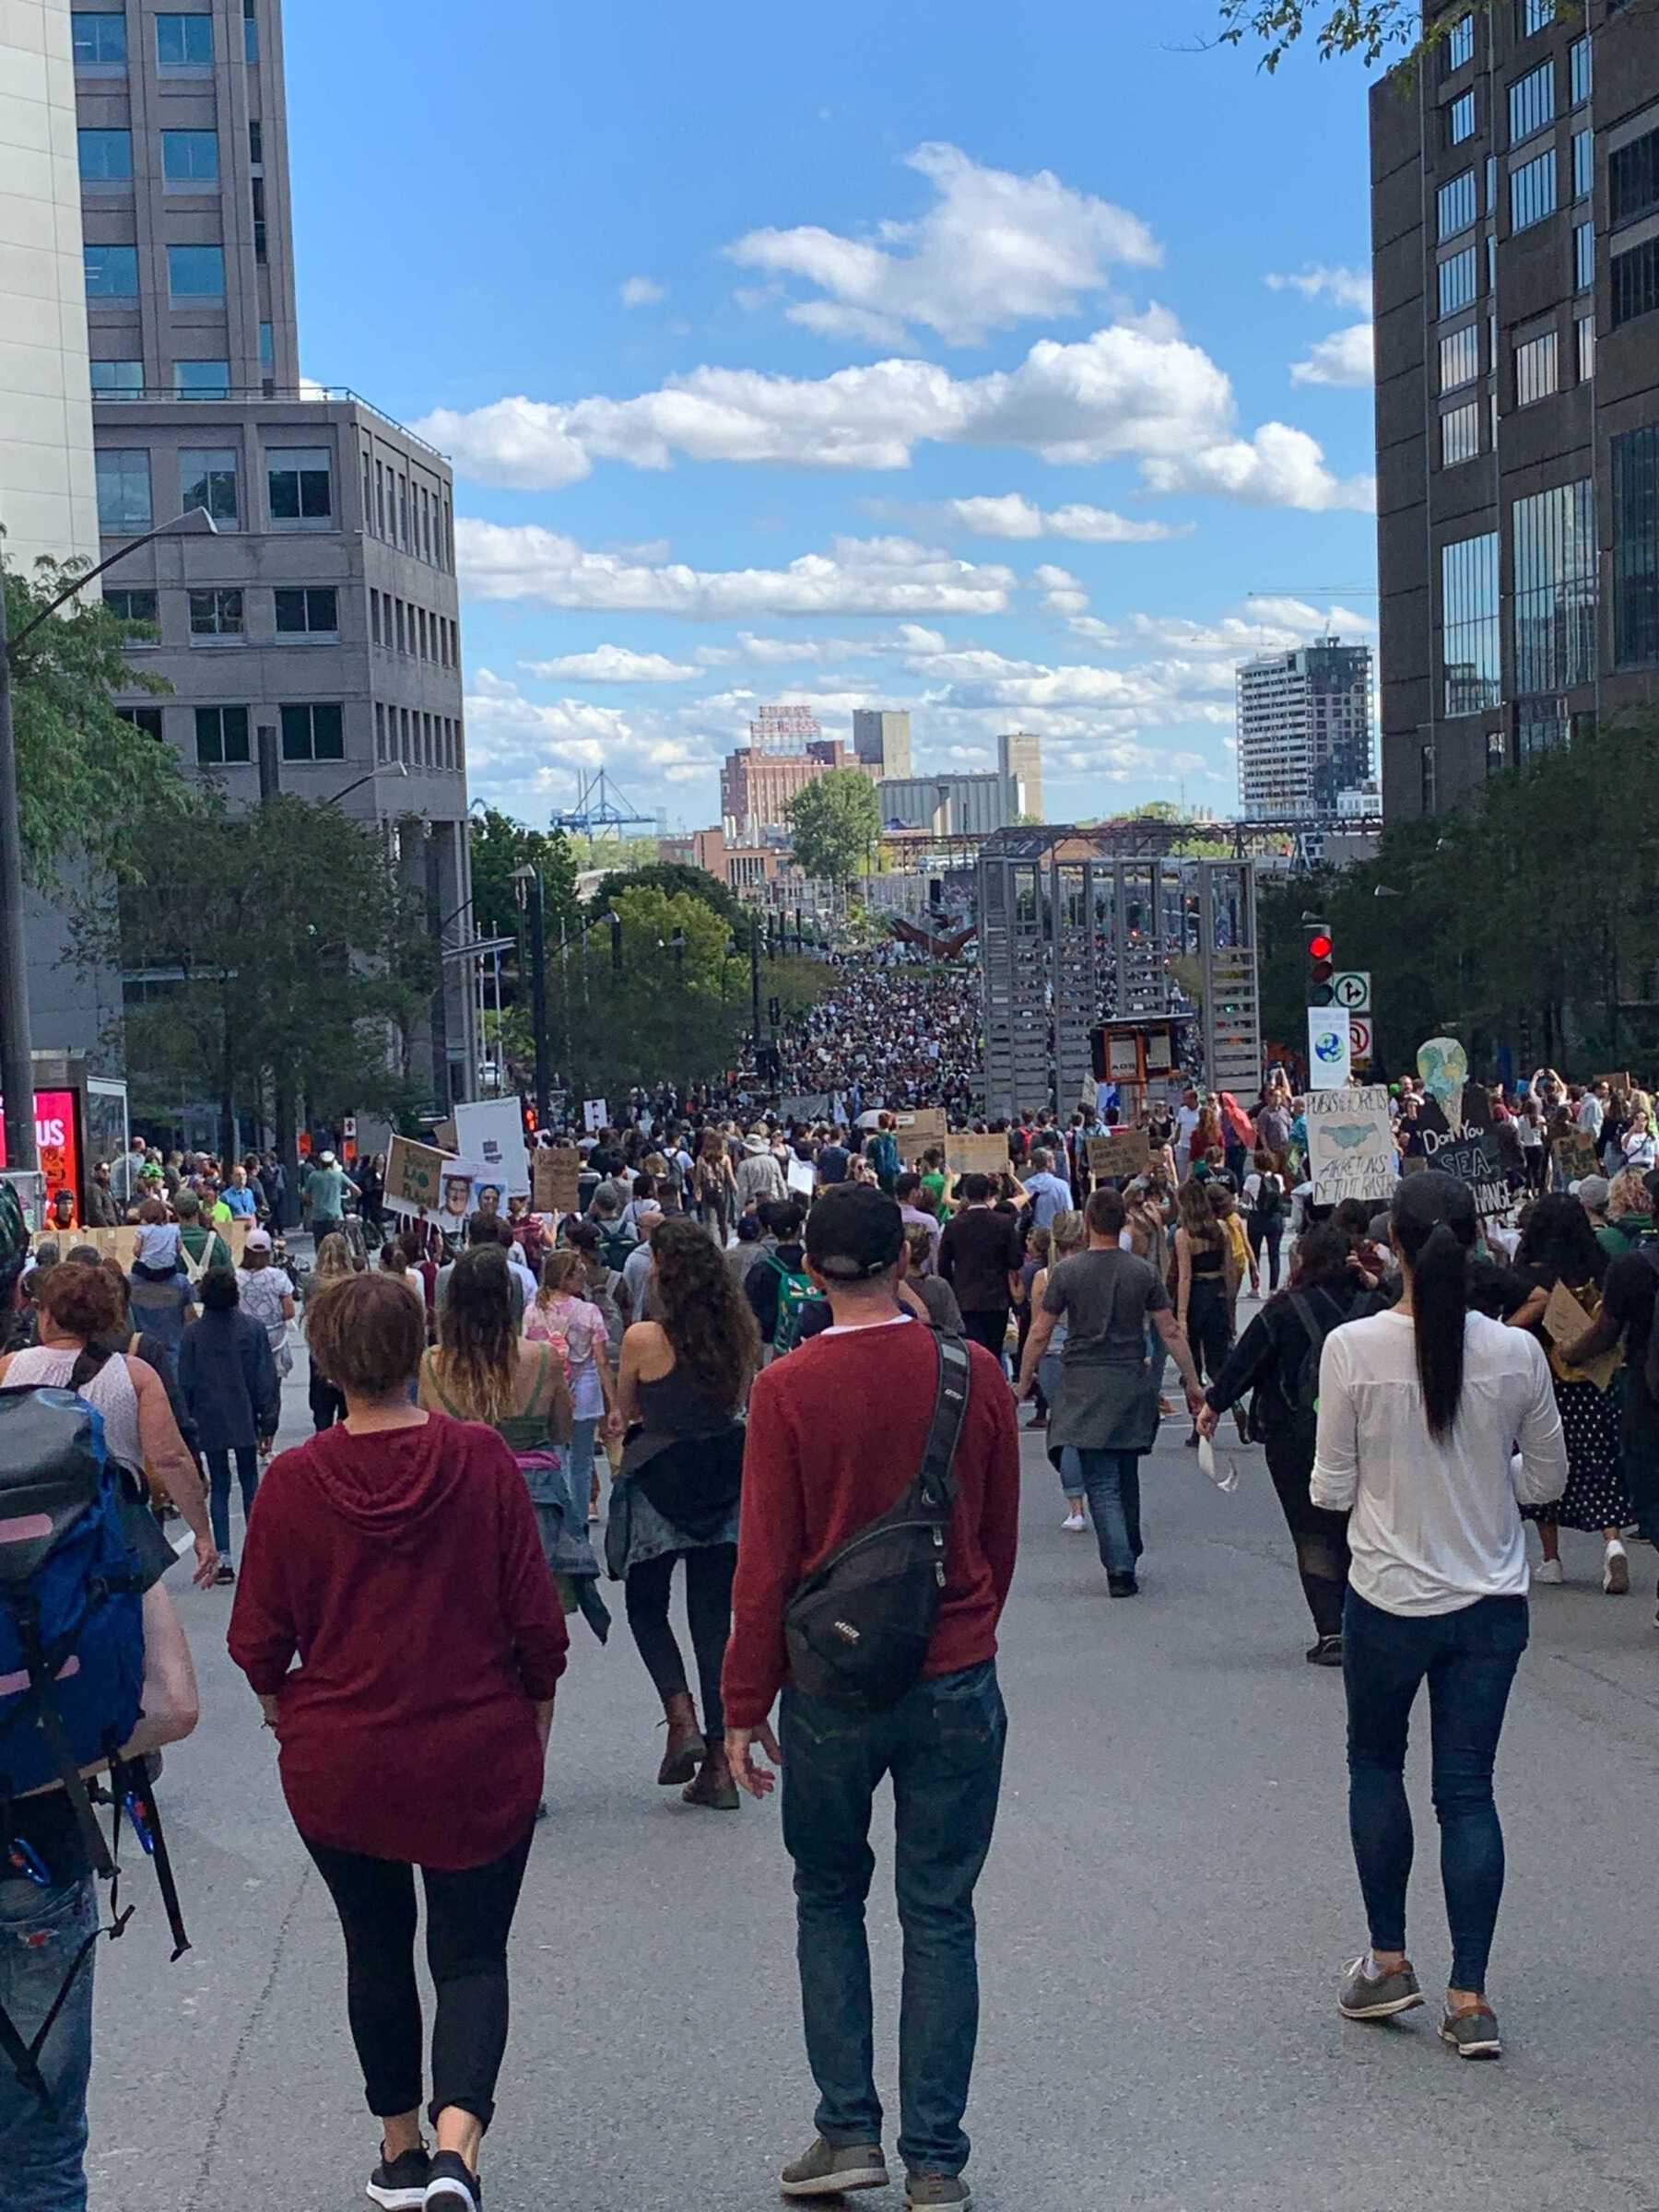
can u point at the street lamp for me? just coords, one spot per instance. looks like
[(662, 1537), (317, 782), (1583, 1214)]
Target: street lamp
[(524, 881), (17, 1038), (394, 767)]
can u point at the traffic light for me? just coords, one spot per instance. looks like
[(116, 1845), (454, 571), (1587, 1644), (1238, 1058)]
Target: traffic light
[(1321, 964)]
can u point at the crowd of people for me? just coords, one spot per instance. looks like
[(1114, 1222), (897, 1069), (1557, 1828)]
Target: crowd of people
[(889, 1030), (715, 1361)]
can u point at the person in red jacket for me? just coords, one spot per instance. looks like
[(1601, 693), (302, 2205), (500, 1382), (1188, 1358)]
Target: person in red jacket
[(836, 1435), (396, 1557)]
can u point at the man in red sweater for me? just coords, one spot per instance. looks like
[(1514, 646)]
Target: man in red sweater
[(836, 1434)]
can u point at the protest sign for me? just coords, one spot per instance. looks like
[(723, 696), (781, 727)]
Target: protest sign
[(1122, 1152), (1565, 1321), (556, 1176), (492, 1131), (805, 1106), (920, 1132), (414, 1176), (1618, 1082), (596, 1115), (1350, 1144), (802, 1178), (966, 1155), (1475, 1159), (1576, 1156)]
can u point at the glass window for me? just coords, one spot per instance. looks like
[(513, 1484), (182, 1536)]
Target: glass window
[(299, 491), (208, 478), (1540, 727), (1460, 435), (1632, 178), (195, 272), (1460, 43), (1585, 331), (1471, 647), (256, 142), (202, 380), (1533, 191), (106, 157), (311, 613), (100, 39), (1583, 164), (1554, 589), (134, 607), (249, 33), (112, 272), (1578, 58), (148, 720), (1636, 549), (1635, 283), (221, 735), (1456, 201), (312, 733), (184, 42), (257, 189), (216, 614), (1458, 280), (1535, 16), (1459, 358), (1536, 368), (1532, 102), (1584, 258), (1459, 119), (379, 730), (123, 490), (267, 347), (190, 157), (117, 380), (1492, 186)]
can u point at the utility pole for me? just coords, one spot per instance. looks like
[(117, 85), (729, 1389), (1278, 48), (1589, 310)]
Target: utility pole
[(17, 1039), (529, 883), (755, 980)]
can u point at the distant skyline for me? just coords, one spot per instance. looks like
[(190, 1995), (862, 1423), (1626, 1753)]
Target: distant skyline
[(875, 359)]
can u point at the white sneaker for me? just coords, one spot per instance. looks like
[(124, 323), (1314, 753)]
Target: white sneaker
[(1549, 1571), (1616, 1570), (1073, 1524)]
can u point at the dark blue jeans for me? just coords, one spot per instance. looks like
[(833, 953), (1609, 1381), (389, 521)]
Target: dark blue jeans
[(1112, 1482), (943, 1745), (1469, 1659)]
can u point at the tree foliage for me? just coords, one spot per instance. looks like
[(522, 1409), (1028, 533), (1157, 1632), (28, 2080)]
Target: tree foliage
[(83, 772), (836, 825), (498, 846), (677, 878), (1527, 920)]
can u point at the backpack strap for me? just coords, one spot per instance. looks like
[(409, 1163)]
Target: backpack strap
[(935, 1481), (42, 1672), (130, 1786), (1302, 1305)]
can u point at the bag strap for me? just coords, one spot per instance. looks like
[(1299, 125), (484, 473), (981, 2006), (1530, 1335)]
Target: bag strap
[(936, 1480), (1302, 1307)]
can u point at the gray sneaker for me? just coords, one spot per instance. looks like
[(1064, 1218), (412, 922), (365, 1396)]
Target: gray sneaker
[(1472, 2034), (938, 2189), (1361, 1998), (827, 2169)]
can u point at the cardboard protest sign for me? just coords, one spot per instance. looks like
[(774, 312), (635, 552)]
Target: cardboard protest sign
[(1565, 1321), (118, 1244), (1474, 1159), (1576, 1156), (492, 1131), (966, 1155), (1122, 1152), (414, 1177), (1621, 1081), (556, 1174), (1350, 1144), (920, 1132)]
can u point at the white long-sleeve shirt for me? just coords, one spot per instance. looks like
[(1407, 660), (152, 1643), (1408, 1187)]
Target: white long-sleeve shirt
[(1435, 1522)]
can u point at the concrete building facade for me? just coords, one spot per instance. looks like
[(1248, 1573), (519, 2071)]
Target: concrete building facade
[(948, 805), (1020, 757), (755, 787), (1304, 729), (881, 740), (318, 632), (1515, 239)]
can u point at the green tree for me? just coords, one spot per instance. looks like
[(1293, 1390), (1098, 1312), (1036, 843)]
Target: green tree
[(677, 878), (836, 825), (1369, 29), (498, 846), (83, 770)]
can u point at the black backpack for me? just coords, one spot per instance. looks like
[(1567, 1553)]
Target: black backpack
[(1301, 1389), (858, 1628)]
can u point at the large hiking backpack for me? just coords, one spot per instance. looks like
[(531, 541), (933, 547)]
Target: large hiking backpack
[(71, 1652), (795, 1293)]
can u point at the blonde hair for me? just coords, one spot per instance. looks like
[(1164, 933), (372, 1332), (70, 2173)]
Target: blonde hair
[(1629, 1195), (333, 1259), (1068, 1232)]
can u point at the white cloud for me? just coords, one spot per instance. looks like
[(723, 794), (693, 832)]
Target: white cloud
[(993, 249), (1264, 625), (858, 576), (642, 292), (1346, 356), (613, 664), (522, 753), (1122, 393), (1010, 514), (1348, 287), (1062, 593)]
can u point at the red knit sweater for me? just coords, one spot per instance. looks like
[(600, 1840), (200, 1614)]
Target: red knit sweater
[(403, 1571), (836, 1433)]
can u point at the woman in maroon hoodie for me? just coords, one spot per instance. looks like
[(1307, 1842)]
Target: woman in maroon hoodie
[(396, 1557)]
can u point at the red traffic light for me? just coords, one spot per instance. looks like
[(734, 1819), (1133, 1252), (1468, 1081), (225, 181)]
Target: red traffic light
[(1319, 945)]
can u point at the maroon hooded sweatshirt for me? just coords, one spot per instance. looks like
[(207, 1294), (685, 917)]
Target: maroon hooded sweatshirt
[(404, 1572)]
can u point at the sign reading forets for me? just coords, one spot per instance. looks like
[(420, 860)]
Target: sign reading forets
[(1350, 1144)]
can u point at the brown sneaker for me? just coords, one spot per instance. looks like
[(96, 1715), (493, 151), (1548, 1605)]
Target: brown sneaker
[(712, 1786), (1361, 1997), (829, 2169), (1473, 2033), (685, 1745)]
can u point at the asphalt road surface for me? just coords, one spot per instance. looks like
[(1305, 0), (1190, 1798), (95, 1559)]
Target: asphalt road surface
[(1165, 1914)]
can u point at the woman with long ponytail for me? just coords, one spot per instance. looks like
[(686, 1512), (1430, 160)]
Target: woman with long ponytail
[(1421, 1411)]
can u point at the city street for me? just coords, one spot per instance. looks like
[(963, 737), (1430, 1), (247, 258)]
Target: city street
[(1162, 1921)]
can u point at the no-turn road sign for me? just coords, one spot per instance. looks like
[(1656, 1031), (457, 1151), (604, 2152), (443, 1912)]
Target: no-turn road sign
[(1352, 990)]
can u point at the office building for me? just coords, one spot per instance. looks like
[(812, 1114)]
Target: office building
[(881, 740), (314, 641), (1304, 729), (1515, 236), (757, 786), (1019, 756), (948, 805)]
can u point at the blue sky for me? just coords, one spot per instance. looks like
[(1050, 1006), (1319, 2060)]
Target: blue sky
[(914, 354)]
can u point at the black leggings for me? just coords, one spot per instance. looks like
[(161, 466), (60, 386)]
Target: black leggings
[(709, 1572), (469, 1915), (1267, 1230), (1320, 1537), (1209, 1324), (327, 1403)]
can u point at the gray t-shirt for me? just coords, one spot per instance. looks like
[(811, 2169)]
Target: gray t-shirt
[(1105, 1299)]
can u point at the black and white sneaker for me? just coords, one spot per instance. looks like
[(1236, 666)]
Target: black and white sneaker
[(451, 2187), (399, 2185)]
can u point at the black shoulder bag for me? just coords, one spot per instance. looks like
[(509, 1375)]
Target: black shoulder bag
[(858, 1628)]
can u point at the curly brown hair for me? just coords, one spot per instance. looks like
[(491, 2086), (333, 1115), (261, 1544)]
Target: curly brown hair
[(705, 1316), (81, 1300)]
